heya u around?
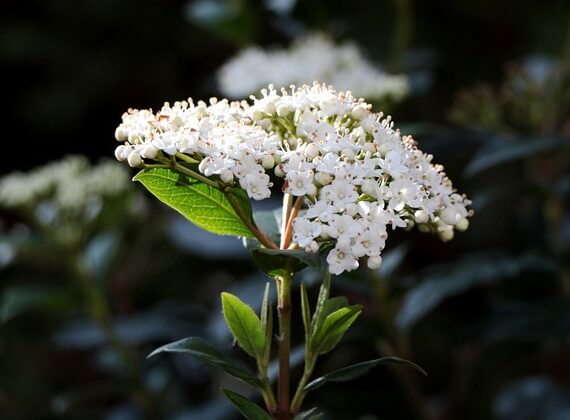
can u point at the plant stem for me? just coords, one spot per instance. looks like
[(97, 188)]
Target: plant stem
[(300, 393), (267, 392), (100, 313), (286, 236), (195, 175), (287, 205), (310, 358), (261, 236), (283, 284)]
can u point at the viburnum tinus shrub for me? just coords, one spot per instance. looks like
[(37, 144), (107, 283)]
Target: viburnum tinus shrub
[(348, 178)]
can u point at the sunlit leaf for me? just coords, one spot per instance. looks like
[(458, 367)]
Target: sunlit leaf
[(244, 325), (200, 203)]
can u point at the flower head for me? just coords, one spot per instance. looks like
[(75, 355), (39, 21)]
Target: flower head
[(355, 172), (314, 57)]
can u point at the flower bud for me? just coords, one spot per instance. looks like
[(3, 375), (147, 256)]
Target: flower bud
[(268, 162), (370, 147), (149, 151), (135, 159), (359, 112), (311, 151), (449, 216), (313, 247), (227, 176), (311, 189), (369, 187), (120, 153), (348, 154), (374, 263), (323, 178), (421, 216), (423, 228), (445, 234), (283, 110), (462, 224), (279, 171), (121, 134), (351, 209)]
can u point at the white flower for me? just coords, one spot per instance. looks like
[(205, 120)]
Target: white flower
[(357, 172), (305, 231), (340, 259), (256, 185), (300, 183), (340, 193), (311, 58)]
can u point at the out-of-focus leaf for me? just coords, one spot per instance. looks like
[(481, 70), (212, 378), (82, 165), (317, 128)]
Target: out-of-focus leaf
[(354, 371), (142, 328), (502, 150), (453, 279), (204, 351), (198, 242), (245, 325), (539, 321), (232, 20), (393, 259), (532, 398), (200, 203), (20, 299), (311, 414), (250, 410), (99, 253)]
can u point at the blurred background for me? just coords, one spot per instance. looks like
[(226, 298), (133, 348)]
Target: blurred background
[(95, 274)]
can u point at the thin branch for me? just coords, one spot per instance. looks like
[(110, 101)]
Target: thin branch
[(286, 236), (261, 236)]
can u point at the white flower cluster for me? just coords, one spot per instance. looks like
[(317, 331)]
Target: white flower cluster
[(311, 58), (71, 184), (356, 173)]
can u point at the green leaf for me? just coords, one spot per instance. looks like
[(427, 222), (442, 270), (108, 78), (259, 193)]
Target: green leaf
[(323, 297), (306, 311), (354, 371), (334, 304), (447, 280), (244, 325), (202, 204), (21, 299), (267, 323), (205, 352), (250, 410), (333, 328), (279, 262), (311, 414), (502, 150)]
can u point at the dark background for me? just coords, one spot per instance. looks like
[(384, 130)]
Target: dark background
[(487, 315)]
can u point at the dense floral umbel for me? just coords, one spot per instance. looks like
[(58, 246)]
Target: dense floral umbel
[(314, 57), (356, 173)]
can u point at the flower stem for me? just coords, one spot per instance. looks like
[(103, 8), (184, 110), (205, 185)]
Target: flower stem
[(286, 211), (284, 312), (260, 235), (286, 237)]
